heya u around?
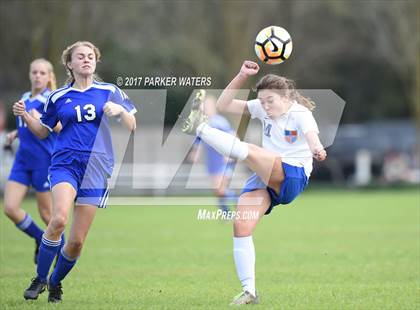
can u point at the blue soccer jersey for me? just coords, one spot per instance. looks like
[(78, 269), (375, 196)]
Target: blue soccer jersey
[(85, 129), (33, 153)]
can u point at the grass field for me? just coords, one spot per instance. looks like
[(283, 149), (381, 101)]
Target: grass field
[(331, 250)]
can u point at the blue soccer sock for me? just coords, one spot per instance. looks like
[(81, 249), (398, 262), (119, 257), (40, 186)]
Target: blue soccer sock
[(62, 242), (63, 267), (47, 251), (28, 226)]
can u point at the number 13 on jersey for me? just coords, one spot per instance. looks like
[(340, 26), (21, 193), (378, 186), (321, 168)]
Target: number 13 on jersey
[(89, 114)]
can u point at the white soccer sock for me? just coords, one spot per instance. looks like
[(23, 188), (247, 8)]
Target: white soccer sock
[(225, 143), (244, 254)]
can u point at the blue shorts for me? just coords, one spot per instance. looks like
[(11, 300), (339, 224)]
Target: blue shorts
[(87, 177), (37, 178), (294, 183)]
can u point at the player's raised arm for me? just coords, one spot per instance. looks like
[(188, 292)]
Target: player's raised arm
[(19, 109), (227, 101)]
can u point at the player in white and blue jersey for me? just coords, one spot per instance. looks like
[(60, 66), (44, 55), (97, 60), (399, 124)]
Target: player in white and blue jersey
[(33, 157), (82, 160), (219, 167), (282, 166)]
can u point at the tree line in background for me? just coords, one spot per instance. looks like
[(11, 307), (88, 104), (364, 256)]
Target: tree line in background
[(367, 52)]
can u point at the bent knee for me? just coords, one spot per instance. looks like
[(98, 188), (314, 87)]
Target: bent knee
[(243, 228), (10, 209), (75, 245), (58, 222), (219, 192), (13, 211)]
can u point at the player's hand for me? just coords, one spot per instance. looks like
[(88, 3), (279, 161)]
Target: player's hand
[(19, 108), (10, 137), (320, 155), (249, 68), (112, 109)]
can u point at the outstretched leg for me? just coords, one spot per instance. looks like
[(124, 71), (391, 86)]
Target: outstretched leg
[(265, 164)]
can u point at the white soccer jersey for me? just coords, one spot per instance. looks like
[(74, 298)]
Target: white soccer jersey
[(285, 135)]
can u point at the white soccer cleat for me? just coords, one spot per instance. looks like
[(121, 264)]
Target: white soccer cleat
[(245, 298)]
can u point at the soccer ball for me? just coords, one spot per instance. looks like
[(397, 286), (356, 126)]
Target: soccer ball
[(273, 45)]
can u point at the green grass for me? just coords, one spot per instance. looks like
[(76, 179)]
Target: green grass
[(331, 250)]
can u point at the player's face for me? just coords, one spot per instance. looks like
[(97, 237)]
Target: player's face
[(273, 102), (83, 61), (39, 75)]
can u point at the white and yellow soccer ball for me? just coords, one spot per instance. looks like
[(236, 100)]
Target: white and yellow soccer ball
[(273, 45)]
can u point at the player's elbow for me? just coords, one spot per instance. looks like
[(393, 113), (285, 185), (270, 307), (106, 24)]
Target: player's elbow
[(42, 134)]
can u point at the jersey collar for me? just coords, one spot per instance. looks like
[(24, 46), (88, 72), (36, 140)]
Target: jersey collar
[(83, 90)]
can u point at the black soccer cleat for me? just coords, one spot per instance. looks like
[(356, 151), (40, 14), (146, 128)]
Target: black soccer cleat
[(54, 293), (37, 287)]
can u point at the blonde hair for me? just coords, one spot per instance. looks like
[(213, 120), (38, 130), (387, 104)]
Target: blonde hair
[(52, 82), (66, 58), (276, 82)]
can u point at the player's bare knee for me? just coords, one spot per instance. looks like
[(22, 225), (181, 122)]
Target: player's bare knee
[(58, 223), (75, 246), (242, 232), (10, 210), (242, 228), (219, 192)]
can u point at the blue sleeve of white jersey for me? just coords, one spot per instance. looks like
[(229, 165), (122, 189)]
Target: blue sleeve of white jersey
[(120, 97), (49, 116)]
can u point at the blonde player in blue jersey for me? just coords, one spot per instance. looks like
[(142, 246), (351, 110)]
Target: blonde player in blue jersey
[(82, 160), (282, 166), (33, 157)]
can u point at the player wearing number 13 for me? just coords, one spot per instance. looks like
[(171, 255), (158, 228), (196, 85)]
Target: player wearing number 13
[(82, 160)]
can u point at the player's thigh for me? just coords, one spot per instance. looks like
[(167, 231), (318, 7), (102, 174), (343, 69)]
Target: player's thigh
[(63, 196), (250, 209), (267, 165), (14, 193)]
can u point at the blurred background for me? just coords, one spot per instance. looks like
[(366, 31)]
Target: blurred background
[(365, 51)]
